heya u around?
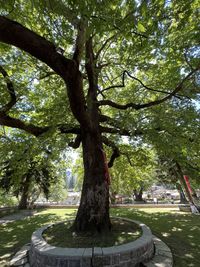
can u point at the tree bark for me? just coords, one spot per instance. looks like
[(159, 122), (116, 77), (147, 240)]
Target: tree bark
[(182, 181), (93, 212), (23, 204), (138, 195), (183, 199)]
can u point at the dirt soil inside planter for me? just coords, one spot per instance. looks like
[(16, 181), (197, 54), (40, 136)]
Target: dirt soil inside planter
[(61, 235)]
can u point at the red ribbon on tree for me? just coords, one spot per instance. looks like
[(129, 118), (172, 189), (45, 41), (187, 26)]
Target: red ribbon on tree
[(186, 178), (107, 175)]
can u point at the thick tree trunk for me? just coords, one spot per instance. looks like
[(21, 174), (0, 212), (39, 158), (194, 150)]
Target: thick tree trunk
[(23, 203), (93, 212), (138, 195)]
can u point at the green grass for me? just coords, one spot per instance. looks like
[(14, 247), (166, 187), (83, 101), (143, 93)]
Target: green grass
[(180, 231), (122, 232)]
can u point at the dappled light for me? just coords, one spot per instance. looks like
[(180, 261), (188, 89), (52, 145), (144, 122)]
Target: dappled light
[(180, 231), (15, 234)]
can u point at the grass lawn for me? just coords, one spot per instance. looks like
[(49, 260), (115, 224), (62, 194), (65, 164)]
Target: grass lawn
[(180, 231)]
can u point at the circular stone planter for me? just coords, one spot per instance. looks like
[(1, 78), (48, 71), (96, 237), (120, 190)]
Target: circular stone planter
[(130, 254)]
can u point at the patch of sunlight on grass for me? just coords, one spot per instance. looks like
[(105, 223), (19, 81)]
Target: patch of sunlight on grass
[(5, 256), (189, 256), (194, 228), (174, 229), (161, 221), (10, 244), (153, 210), (190, 236), (63, 213), (165, 234)]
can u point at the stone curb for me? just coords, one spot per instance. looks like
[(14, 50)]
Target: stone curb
[(129, 254), (162, 257), (21, 258)]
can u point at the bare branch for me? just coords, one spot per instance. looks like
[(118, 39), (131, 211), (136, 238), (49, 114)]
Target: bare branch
[(139, 34), (11, 91), (110, 121), (116, 86), (118, 106), (152, 103), (149, 88), (128, 158), (104, 45), (188, 62), (134, 78), (123, 132)]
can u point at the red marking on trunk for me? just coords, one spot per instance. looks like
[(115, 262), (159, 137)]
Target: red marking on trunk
[(186, 178)]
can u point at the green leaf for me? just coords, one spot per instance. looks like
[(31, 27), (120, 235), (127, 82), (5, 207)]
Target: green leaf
[(141, 27)]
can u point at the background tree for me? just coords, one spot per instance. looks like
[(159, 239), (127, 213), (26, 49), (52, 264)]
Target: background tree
[(135, 53), (28, 167), (134, 171)]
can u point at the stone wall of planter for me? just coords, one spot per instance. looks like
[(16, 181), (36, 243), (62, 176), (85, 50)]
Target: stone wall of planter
[(130, 254)]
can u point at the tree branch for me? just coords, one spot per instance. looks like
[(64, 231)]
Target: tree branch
[(114, 131), (80, 42), (116, 86), (103, 46), (115, 149), (187, 61), (90, 68), (128, 158), (136, 79), (66, 129), (76, 143), (48, 74), (152, 103), (118, 106), (8, 121), (15, 34), (11, 91)]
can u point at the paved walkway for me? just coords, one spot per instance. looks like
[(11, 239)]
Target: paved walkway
[(16, 216)]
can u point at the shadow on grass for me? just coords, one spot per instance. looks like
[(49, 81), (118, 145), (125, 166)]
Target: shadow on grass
[(181, 232), (18, 233)]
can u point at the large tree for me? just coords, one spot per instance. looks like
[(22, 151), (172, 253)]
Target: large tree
[(117, 59)]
